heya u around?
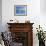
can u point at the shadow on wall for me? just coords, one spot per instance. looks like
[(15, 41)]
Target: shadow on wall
[(0, 15), (43, 6)]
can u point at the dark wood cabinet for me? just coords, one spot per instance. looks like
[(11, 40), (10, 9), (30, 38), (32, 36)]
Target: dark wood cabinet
[(22, 33)]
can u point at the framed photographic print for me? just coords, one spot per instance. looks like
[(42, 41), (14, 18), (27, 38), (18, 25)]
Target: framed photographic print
[(20, 10)]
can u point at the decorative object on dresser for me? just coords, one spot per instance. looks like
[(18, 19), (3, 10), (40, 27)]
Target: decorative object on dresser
[(22, 33), (13, 21)]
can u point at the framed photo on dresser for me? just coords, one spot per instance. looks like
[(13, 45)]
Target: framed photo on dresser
[(20, 10)]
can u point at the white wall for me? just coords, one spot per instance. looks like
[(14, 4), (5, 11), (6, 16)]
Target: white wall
[(43, 14), (33, 10), (33, 14), (0, 15), (43, 6)]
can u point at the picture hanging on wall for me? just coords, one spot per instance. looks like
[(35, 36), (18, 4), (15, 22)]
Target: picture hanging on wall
[(20, 10)]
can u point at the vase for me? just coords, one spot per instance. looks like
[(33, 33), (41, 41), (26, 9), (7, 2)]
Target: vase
[(41, 43)]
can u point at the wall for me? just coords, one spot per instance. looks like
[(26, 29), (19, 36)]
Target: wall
[(43, 6), (33, 14), (0, 15), (33, 10), (43, 14)]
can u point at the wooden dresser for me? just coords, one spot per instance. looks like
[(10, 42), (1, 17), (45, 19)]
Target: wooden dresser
[(22, 33)]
